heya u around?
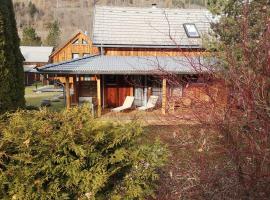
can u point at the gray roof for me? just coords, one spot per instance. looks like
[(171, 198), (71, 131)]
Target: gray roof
[(100, 64), (36, 53), (29, 68), (131, 26)]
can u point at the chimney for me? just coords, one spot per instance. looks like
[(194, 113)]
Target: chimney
[(154, 5)]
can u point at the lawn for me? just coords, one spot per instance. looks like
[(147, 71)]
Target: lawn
[(34, 99)]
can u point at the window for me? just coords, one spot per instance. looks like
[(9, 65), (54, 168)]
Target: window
[(86, 54), (191, 31), (75, 55), (76, 42), (84, 41)]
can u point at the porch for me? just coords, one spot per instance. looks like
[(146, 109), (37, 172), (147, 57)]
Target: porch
[(109, 91), (105, 81)]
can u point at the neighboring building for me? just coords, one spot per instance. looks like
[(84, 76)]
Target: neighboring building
[(138, 48), (34, 57)]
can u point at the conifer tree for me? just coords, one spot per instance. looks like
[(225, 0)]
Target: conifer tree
[(53, 37), (30, 37), (11, 61), (70, 155)]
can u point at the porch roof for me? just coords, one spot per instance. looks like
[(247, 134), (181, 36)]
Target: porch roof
[(99, 64)]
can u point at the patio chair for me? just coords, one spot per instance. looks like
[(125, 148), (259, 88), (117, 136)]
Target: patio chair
[(126, 105), (151, 103)]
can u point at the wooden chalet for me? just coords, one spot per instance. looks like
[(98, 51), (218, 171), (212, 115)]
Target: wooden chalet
[(136, 50), (34, 57)]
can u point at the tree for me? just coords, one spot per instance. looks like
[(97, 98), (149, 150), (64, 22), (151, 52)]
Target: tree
[(32, 9), (238, 128), (30, 37), (53, 37), (243, 35), (70, 155), (11, 61)]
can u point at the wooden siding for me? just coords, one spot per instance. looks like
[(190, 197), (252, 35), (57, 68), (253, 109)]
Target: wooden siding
[(65, 52), (153, 52)]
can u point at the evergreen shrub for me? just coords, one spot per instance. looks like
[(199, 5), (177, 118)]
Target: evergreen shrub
[(70, 155)]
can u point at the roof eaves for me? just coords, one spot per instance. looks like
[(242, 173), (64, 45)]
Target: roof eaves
[(148, 46), (65, 62), (115, 73)]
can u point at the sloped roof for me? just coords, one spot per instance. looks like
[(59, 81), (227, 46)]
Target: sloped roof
[(153, 27), (100, 64), (36, 53)]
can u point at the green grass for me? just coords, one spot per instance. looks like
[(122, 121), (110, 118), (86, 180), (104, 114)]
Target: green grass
[(34, 99)]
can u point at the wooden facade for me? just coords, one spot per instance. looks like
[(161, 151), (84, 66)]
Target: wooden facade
[(109, 51), (80, 44)]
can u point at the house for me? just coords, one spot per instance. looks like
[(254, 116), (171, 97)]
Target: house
[(34, 56), (138, 49)]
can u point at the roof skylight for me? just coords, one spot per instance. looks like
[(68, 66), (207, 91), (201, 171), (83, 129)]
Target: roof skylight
[(191, 30)]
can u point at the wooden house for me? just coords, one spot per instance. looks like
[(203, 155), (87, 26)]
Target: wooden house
[(34, 57), (138, 48)]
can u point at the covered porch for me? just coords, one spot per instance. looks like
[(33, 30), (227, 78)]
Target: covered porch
[(105, 81), (110, 91)]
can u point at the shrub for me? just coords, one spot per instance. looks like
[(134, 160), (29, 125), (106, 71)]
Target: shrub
[(70, 155)]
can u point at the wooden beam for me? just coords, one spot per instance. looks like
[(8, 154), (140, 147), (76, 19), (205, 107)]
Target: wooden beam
[(68, 103), (75, 89), (164, 96), (98, 96), (131, 91)]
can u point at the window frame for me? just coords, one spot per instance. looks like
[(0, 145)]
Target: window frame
[(76, 54), (188, 33)]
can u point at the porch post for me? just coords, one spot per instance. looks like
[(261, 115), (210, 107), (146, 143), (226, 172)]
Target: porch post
[(164, 95), (67, 93), (75, 89), (98, 96)]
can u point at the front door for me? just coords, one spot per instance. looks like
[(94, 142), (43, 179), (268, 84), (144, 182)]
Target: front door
[(111, 96), (116, 95)]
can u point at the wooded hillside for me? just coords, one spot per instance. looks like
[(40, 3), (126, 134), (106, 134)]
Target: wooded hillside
[(77, 14)]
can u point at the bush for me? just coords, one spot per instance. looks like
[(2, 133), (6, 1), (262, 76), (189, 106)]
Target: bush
[(70, 155)]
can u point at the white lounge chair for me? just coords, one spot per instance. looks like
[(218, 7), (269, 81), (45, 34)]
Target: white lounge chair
[(126, 105), (151, 103)]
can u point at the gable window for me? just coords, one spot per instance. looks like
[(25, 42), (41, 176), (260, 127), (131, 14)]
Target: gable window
[(76, 42), (84, 41), (191, 30), (75, 55)]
